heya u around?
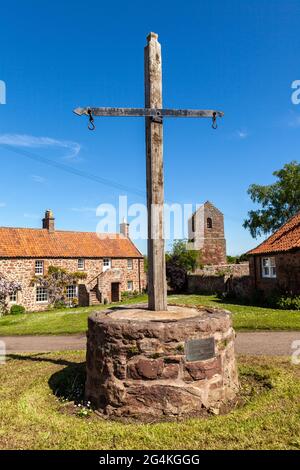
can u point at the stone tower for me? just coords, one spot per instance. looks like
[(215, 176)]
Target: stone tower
[(206, 232)]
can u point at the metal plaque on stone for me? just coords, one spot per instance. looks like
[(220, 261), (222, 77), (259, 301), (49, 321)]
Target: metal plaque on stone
[(199, 349)]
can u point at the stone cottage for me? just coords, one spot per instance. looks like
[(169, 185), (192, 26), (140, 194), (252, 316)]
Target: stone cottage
[(275, 263), (112, 263), (206, 232)]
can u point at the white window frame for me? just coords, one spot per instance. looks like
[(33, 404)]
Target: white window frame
[(130, 289), (106, 264), (15, 298), (268, 267), (81, 264), (43, 297), (129, 263), (39, 267), (74, 293)]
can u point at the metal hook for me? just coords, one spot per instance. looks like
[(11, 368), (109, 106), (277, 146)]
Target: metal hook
[(91, 125), (214, 121)]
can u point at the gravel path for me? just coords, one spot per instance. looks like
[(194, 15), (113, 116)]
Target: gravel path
[(273, 343)]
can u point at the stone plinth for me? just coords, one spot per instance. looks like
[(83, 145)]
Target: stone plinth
[(138, 365)]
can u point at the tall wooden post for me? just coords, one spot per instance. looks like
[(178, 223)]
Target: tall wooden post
[(157, 288), (154, 114)]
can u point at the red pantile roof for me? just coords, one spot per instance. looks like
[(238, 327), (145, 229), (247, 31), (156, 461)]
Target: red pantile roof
[(285, 239), (40, 243)]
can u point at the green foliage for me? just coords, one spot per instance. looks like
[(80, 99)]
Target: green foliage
[(237, 259), (179, 261), (58, 273), (133, 351), (289, 303), (231, 259), (187, 259), (284, 302), (17, 310), (279, 201), (56, 281), (274, 300), (125, 295), (75, 302), (59, 304)]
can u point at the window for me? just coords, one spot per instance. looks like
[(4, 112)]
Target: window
[(268, 267), (81, 264), (41, 294), (106, 264), (209, 222), (129, 285), (13, 297), (71, 292), (130, 264), (39, 268)]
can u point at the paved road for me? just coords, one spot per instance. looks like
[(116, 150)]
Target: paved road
[(16, 344), (260, 343), (270, 343)]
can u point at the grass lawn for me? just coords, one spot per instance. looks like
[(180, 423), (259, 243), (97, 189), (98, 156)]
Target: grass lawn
[(55, 322), (247, 317), (71, 321), (33, 417)]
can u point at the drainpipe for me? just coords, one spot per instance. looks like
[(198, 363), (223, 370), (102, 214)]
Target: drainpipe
[(255, 273), (139, 271)]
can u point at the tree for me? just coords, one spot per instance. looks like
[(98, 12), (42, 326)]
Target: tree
[(237, 259), (279, 201), (178, 263), (7, 288), (56, 282)]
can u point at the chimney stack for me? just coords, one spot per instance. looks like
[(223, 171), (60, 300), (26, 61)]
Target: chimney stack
[(124, 228), (48, 221)]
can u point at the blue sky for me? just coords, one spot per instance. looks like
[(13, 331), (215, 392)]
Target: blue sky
[(237, 56)]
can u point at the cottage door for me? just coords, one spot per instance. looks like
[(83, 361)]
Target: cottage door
[(115, 291)]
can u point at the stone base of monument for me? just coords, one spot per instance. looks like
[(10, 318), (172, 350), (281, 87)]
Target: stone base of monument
[(160, 365)]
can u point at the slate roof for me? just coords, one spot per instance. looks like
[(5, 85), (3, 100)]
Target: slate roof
[(40, 243), (286, 238)]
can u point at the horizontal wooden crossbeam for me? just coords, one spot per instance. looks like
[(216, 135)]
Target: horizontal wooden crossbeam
[(149, 112)]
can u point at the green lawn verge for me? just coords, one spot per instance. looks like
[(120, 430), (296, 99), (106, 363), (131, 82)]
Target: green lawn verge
[(72, 321), (55, 322), (32, 417), (248, 317)]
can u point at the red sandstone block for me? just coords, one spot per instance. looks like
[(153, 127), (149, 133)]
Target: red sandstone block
[(199, 370), (145, 369), (170, 371)]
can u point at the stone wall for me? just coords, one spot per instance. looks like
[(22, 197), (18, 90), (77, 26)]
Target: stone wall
[(287, 273), (137, 365), (22, 270), (213, 279), (237, 270), (202, 284)]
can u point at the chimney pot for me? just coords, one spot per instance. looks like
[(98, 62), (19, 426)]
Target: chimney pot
[(48, 221), (124, 228)]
